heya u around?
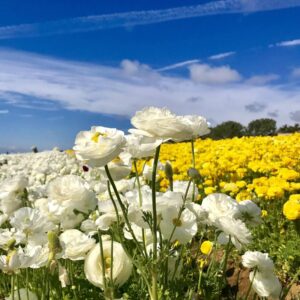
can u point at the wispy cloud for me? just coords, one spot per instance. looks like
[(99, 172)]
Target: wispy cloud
[(290, 43), (134, 18), (221, 55), (4, 111), (296, 72), (179, 65), (29, 80), (262, 79), (213, 75)]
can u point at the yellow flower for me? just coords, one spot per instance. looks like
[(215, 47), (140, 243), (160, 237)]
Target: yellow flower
[(206, 247), (209, 190), (264, 213), (295, 198), (291, 210)]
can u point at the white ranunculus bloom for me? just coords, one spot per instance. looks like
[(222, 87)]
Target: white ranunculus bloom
[(138, 232), (199, 212), (119, 167), (265, 284), (185, 226), (3, 219), (122, 265), (7, 235), (71, 192), (75, 244), (162, 123), (99, 146), (33, 256), (140, 146), (181, 187), (11, 262), (250, 213), (32, 223), (105, 221), (259, 260), (235, 229), (219, 205), (11, 191)]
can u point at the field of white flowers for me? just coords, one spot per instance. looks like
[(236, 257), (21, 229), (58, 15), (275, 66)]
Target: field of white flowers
[(85, 224)]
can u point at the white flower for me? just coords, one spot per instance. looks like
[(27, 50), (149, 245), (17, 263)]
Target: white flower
[(259, 260), (122, 265), (219, 205), (250, 212), (138, 232), (32, 223), (3, 219), (265, 284), (99, 146), (161, 123), (7, 235), (10, 262), (119, 167), (234, 229), (140, 146), (199, 212), (148, 170), (71, 192), (11, 191), (182, 229), (75, 244), (105, 221), (181, 187)]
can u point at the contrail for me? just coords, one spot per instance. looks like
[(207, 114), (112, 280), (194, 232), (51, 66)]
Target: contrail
[(179, 65), (134, 18)]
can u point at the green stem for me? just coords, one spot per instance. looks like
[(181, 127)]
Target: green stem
[(140, 204), (194, 165), (13, 286), (154, 226), (250, 286), (123, 208)]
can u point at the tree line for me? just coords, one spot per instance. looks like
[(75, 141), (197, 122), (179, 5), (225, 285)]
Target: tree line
[(258, 127)]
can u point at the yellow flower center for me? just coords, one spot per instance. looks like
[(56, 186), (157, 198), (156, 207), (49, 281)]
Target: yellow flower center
[(95, 136)]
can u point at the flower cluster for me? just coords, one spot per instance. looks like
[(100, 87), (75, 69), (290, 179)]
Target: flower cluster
[(113, 210)]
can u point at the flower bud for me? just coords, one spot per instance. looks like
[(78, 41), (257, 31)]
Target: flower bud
[(193, 173), (169, 170), (54, 244)]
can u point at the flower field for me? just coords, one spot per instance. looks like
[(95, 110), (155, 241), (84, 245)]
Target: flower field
[(157, 214)]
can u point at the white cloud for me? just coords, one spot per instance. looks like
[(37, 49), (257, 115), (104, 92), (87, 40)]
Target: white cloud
[(221, 55), (179, 65), (133, 67), (4, 111), (30, 80), (288, 43), (213, 75), (296, 72), (262, 79), (134, 18)]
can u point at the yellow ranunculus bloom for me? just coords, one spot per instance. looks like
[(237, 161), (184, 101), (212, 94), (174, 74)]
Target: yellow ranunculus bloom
[(206, 247), (291, 210)]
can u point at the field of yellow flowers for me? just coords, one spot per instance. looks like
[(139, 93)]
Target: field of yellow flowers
[(263, 169)]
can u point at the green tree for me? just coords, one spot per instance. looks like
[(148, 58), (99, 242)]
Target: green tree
[(289, 128), (262, 127), (228, 129)]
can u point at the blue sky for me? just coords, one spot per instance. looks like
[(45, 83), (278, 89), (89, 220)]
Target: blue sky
[(68, 65)]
